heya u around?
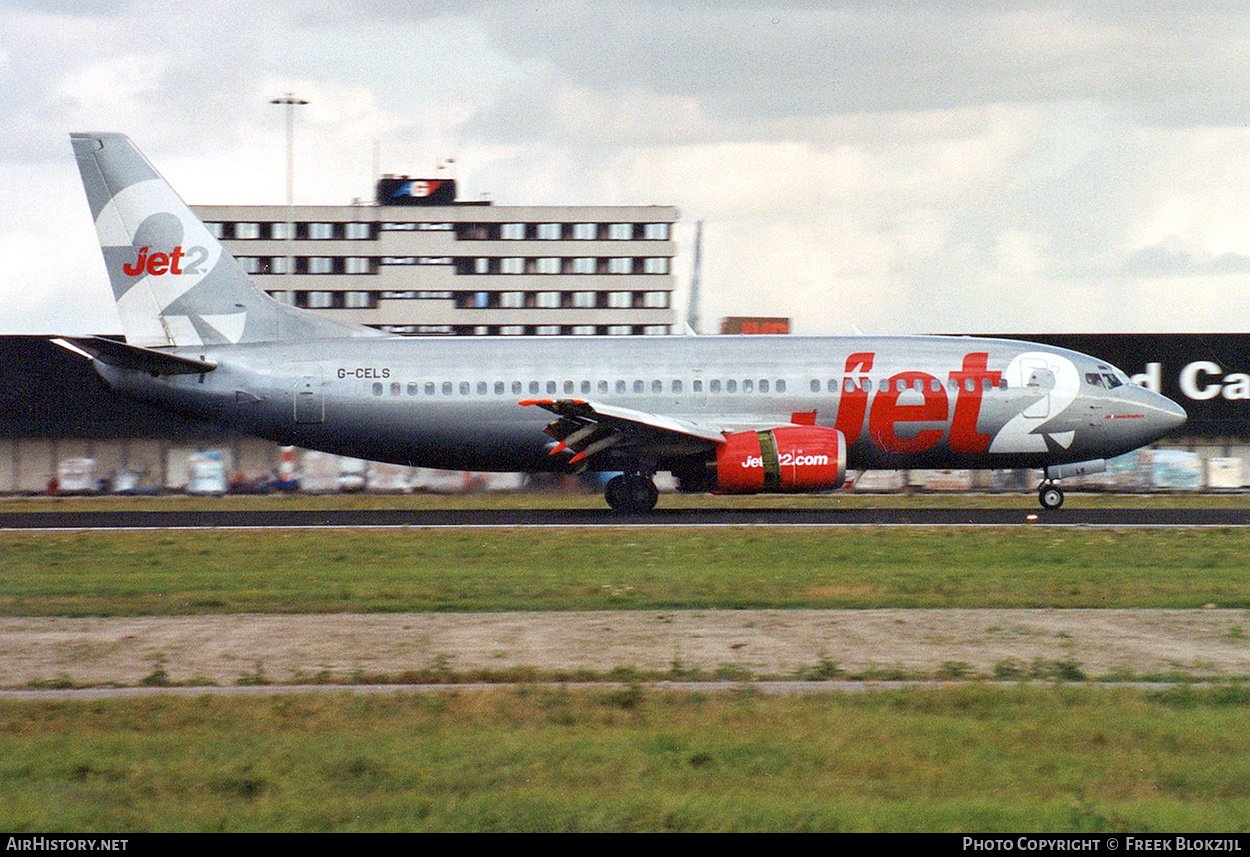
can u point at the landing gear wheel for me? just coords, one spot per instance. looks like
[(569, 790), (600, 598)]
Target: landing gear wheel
[(632, 494), (1050, 496)]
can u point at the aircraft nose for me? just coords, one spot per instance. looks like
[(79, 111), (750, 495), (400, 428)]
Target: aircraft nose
[(1163, 415)]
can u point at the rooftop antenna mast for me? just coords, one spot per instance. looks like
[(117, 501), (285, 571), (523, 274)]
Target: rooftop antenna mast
[(692, 311)]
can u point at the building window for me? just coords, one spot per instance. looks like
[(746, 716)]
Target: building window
[(620, 300), (512, 300), (655, 232), (357, 300), (358, 231), (548, 330), (655, 330), (247, 231), (320, 231), (358, 265), (655, 265), (512, 231), (655, 300), (549, 232), (547, 300), (620, 231), (584, 265), (512, 265), (584, 232), (583, 300), (320, 300), (619, 330), (215, 229), (620, 265), (548, 265)]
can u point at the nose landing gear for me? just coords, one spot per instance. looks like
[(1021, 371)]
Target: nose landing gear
[(1050, 495)]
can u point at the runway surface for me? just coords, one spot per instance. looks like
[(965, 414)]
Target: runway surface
[(925, 517)]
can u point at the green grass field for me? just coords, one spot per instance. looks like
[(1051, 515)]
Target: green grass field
[(969, 758), (299, 571), (526, 759)]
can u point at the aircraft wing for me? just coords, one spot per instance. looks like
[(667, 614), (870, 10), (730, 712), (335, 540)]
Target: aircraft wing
[(587, 428)]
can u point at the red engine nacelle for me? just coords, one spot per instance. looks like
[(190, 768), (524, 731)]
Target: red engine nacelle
[(788, 459)]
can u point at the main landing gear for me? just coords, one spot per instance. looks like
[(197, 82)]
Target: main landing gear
[(632, 493), (1050, 495)]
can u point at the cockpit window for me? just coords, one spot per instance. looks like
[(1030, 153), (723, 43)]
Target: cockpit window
[(1112, 381), (1093, 379)]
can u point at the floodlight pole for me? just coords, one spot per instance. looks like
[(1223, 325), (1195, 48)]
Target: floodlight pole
[(290, 102)]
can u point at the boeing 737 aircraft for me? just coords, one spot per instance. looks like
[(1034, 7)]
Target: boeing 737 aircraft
[(725, 414)]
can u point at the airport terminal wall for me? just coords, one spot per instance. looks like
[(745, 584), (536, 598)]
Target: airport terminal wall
[(62, 428)]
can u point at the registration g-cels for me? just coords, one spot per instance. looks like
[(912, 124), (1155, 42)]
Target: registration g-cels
[(1108, 843), (723, 414)]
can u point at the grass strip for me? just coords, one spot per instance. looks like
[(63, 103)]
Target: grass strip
[(534, 759), (312, 571)]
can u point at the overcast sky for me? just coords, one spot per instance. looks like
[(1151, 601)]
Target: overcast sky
[(897, 167)]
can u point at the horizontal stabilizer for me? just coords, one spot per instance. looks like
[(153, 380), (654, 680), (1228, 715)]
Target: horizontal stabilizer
[(123, 356)]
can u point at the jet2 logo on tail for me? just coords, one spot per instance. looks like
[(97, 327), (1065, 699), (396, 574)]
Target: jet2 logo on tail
[(158, 264)]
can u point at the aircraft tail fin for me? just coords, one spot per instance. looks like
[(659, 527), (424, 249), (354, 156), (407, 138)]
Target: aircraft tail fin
[(174, 283)]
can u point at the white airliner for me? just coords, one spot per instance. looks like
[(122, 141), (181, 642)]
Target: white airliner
[(724, 414)]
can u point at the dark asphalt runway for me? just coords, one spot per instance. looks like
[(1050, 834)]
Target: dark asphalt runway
[(1026, 514)]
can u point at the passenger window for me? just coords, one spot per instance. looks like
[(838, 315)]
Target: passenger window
[(657, 386), (516, 387), (396, 388), (603, 386), (763, 386), (677, 386), (781, 386), (446, 388), (832, 386), (464, 388), (639, 387), (731, 386), (499, 388), (714, 386), (568, 387), (696, 386), (412, 388), (377, 388), (533, 387), (620, 386), (481, 388), (429, 388), (748, 386), (816, 385)]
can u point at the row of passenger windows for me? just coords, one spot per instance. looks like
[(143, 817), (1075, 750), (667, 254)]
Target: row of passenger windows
[(902, 384), (676, 386), (552, 388)]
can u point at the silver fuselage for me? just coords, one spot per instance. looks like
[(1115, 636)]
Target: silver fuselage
[(454, 402)]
